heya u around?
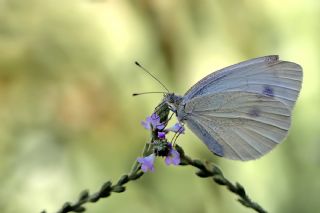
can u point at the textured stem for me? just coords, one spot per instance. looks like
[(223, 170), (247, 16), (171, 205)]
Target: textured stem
[(208, 169), (205, 170)]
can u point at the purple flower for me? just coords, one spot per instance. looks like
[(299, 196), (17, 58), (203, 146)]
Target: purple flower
[(153, 122), (161, 135), (177, 128), (147, 163), (173, 157)]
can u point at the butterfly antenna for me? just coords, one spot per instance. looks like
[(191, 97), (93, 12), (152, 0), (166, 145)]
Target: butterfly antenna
[(144, 69), (142, 93)]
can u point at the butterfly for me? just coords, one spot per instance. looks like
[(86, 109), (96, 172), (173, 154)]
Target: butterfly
[(243, 111)]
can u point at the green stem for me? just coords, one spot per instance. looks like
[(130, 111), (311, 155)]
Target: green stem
[(205, 170), (208, 169)]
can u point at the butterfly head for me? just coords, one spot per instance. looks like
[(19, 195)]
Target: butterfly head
[(173, 101)]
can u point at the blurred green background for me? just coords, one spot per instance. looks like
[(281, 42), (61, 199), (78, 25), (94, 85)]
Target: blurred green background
[(68, 121)]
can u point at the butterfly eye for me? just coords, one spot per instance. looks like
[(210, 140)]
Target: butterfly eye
[(170, 98)]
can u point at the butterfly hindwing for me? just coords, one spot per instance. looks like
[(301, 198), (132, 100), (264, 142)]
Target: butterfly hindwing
[(238, 125)]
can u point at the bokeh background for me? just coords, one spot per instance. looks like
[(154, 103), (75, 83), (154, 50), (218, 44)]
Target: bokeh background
[(68, 121)]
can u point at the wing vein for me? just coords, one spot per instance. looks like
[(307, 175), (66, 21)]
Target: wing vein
[(223, 140), (206, 117), (253, 147), (261, 134)]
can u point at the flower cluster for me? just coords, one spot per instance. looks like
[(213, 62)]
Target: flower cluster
[(161, 147), (153, 122)]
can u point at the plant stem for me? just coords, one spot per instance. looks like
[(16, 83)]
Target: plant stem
[(206, 170)]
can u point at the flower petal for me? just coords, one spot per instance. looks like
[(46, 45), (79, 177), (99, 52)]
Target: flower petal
[(177, 128), (173, 157), (161, 135), (147, 163), (167, 160), (153, 121)]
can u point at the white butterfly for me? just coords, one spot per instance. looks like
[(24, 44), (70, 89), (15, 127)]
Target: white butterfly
[(242, 111)]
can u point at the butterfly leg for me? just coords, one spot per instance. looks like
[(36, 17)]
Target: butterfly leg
[(177, 134)]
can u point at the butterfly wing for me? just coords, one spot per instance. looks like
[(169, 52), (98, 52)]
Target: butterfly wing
[(237, 125), (265, 75)]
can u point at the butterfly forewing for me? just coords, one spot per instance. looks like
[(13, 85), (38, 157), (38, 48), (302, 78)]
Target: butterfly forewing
[(265, 75)]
